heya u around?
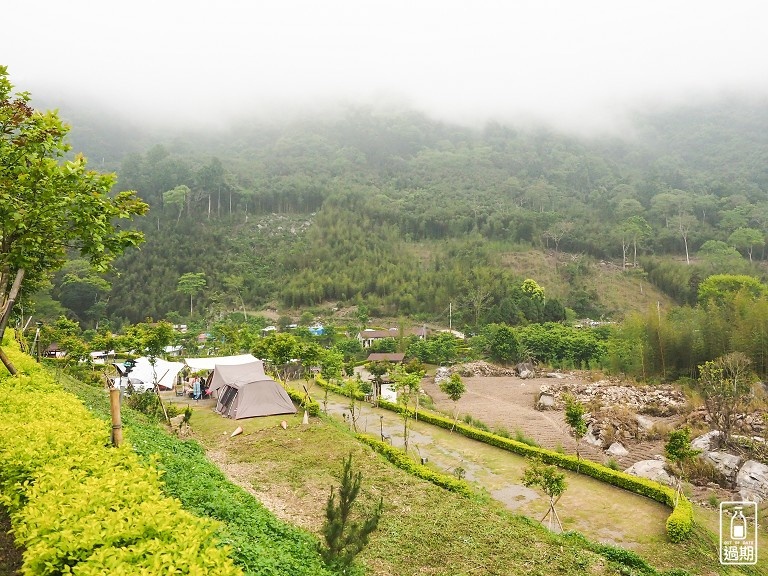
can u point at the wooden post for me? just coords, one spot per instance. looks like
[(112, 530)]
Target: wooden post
[(117, 423)]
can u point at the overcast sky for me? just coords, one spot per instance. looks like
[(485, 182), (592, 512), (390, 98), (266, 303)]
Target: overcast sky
[(575, 61)]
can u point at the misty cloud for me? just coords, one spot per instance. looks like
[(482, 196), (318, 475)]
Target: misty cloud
[(579, 63)]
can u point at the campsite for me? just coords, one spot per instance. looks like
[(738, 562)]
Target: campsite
[(238, 384), (265, 452)]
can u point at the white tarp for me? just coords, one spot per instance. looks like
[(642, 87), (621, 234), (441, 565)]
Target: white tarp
[(209, 362), (143, 377), (389, 393)]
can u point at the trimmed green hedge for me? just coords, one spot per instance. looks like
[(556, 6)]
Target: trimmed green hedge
[(404, 462), (679, 524), (313, 408), (79, 506)]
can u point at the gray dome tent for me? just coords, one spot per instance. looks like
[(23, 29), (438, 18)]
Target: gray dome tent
[(244, 391)]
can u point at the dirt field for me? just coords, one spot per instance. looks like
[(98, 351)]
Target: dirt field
[(508, 403)]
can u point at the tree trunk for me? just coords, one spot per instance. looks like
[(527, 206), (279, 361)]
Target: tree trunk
[(7, 309), (634, 261)]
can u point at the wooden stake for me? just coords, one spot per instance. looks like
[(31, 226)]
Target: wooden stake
[(117, 423)]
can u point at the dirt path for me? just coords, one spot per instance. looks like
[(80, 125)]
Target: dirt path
[(507, 403)]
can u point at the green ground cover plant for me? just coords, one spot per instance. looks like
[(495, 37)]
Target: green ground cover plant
[(80, 506)]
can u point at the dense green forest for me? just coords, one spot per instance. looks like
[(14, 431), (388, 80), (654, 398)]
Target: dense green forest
[(409, 216)]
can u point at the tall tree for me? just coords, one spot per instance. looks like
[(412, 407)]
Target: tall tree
[(504, 345), (191, 283), (49, 205), (177, 196), (746, 239), (80, 289)]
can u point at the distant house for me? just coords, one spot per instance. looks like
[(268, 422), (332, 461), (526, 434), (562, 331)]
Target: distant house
[(54, 351), (173, 350), (102, 356), (317, 330), (368, 336), (395, 358)]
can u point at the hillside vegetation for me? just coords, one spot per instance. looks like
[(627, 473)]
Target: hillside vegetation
[(408, 215)]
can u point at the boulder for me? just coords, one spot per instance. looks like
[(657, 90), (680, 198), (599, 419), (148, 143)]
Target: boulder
[(707, 442), (752, 481), (727, 464), (525, 370), (653, 470), (555, 375), (617, 449), (643, 422), (546, 401), (591, 438), (442, 373)]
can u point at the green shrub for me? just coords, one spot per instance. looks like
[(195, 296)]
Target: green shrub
[(300, 398), (680, 522), (404, 462), (521, 437), (146, 402), (79, 506)]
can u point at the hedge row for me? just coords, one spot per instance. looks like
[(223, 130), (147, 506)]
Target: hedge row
[(680, 522), (300, 398), (402, 461), (78, 506)]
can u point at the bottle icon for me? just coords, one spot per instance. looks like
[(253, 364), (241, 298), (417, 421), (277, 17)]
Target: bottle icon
[(738, 525)]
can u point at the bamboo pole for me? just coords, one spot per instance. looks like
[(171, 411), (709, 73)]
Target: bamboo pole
[(117, 423)]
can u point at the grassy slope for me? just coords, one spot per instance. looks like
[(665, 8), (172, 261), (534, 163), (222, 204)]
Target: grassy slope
[(618, 292), (425, 530)]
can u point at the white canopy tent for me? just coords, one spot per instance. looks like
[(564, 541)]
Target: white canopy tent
[(209, 362), (142, 376)]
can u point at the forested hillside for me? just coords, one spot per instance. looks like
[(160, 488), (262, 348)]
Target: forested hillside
[(408, 215)]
